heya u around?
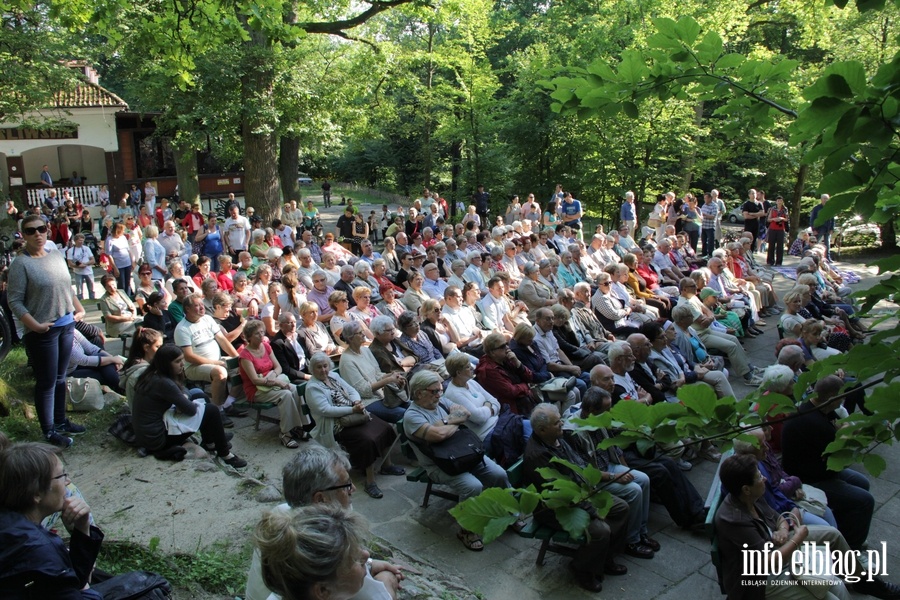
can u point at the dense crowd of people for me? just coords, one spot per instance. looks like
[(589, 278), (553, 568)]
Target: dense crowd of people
[(506, 329)]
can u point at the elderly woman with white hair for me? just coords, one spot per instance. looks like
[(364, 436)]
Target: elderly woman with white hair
[(533, 292), (364, 277), (457, 268), (431, 421), (641, 311), (383, 394), (391, 356), (613, 312), (417, 343), (342, 419)]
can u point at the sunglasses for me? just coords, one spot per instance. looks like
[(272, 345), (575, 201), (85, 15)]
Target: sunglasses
[(32, 230)]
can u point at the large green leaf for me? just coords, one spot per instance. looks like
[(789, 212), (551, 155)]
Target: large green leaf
[(574, 520), (488, 514), (699, 398), (632, 68), (710, 48), (687, 30)]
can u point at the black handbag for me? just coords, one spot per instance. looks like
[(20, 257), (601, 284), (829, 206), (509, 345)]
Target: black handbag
[(458, 454)]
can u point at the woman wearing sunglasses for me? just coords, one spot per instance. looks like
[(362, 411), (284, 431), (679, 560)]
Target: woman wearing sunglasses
[(40, 295)]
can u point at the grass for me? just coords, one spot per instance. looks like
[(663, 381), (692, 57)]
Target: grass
[(219, 569), (19, 420)]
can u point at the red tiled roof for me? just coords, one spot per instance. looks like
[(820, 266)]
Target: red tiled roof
[(87, 95)]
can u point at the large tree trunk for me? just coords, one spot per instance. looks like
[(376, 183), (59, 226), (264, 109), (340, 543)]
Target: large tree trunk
[(258, 129), (428, 106), (888, 236), (455, 162), (186, 171), (688, 160), (796, 197), (288, 167)]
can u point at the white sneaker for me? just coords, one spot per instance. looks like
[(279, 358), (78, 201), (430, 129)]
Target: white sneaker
[(753, 378)]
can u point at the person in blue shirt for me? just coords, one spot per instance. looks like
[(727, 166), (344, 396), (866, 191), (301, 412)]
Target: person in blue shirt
[(571, 214), (627, 214), (46, 180)]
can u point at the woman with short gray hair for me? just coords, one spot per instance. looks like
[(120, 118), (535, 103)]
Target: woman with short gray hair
[(416, 343), (383, 394), (533, 292), (333, 403), (429, 421)]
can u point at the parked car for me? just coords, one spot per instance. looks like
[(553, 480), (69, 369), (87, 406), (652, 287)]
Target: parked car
[(735, 215), (304, 179)]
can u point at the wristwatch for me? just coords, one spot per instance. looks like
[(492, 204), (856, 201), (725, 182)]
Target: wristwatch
[(445, 421)]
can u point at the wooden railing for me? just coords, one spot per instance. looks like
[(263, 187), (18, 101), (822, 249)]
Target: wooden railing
[(88, 195)]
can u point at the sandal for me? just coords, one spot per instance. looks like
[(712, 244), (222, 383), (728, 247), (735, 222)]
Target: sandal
[(288, 442), (392, 470), (470, 540), (373, 490)]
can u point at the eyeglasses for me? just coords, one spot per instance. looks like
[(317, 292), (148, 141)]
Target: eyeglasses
[(344, 486), (61, 476), (605, 283), (42, 229), (439, 391)]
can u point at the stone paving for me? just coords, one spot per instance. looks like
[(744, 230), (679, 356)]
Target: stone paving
[(506, 568)]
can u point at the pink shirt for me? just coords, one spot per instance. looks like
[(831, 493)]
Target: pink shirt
[(262, 365)]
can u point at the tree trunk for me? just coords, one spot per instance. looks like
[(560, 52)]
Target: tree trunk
[(796, 197), (258, 128), (455, 161), (888, 236), (688, 160), (288, 167), (428, 107), (186, 171)]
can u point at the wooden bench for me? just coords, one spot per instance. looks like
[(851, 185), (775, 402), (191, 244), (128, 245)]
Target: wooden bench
[(234, 379), (550, 538), (713, 501)]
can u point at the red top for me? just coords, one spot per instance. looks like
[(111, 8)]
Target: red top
[(777, 225), (193, 222), (262, 365), (226, 280), (500, 383), (649, 275)]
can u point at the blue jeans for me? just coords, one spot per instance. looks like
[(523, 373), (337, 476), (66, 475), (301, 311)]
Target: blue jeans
[(708, 241), (390, 415), (849, 498), (485, 475), (80, 282), (826, 520), (124, 280), (49, 353), (637, 495)]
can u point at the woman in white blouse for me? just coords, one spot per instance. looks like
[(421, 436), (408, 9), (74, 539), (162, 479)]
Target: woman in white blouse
[(484, 409)]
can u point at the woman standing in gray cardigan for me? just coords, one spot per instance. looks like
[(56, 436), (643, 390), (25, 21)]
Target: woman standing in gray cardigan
[(40, 295)]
